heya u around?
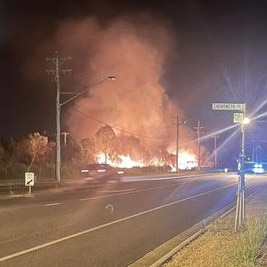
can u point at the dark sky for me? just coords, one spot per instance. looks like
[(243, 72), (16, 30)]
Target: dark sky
[(218, 55)]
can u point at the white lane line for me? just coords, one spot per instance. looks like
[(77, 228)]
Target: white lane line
[(117, 191), (23, 252), (53, 204)]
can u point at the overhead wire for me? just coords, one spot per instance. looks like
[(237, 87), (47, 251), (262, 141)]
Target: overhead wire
[(115, 127)]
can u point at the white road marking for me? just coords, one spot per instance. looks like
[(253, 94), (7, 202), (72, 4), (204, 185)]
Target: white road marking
[(23, 252), (53, 204), (117, 191)]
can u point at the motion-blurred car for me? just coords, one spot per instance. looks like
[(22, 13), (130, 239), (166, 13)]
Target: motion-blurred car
[(101, 173)]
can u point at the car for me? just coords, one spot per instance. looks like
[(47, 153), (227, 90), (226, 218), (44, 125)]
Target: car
[(101, 173), (255, 167)]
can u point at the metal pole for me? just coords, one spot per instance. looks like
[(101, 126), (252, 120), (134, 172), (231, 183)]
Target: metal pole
[(243, 173), (198, 143), (240, 205), (57, 61), (177, 143), (58, 141), (215, 151)]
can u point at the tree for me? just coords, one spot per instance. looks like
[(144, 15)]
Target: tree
[(88, 150), (106, 141), (33, 148)]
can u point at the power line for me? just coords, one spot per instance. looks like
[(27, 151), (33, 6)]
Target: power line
[(115, 127)]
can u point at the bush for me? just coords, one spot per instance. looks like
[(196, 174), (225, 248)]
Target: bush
[(12, 171)]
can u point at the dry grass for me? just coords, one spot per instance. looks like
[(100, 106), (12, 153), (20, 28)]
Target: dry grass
[(220, 246)]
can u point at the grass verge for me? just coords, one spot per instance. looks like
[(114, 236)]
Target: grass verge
[(221, 246)]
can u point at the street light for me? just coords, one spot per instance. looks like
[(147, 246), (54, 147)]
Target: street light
[(58, 107), (240, 207)]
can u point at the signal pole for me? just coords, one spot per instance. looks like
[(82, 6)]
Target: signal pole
[(58, 62)]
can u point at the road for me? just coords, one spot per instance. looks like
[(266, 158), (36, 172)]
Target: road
[(110, 224)]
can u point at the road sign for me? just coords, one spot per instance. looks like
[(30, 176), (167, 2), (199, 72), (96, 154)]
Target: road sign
[(29, 179), (228, 106), (238, 117)]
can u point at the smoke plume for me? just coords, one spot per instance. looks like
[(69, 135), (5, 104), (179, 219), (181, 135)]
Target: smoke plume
[(136, 51)]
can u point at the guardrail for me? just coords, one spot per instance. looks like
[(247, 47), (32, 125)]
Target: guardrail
[(18, 186)]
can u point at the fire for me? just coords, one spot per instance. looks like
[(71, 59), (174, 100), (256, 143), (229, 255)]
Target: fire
[(187, 161), (127, 162)]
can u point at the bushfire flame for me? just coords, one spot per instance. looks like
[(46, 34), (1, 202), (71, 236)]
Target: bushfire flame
[(187, 161)]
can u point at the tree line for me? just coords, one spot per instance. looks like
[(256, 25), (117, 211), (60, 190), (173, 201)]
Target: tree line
[(36, 152)]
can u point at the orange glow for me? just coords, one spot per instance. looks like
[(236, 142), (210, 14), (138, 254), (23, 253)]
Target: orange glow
[(127, 162), (187, 161)]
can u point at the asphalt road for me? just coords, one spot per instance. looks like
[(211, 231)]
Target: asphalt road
[(110, 224)]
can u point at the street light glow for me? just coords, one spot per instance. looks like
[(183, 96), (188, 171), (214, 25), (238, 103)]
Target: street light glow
[(246, 120)]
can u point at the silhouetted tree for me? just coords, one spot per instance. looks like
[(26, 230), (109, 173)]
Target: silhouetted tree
[(107, 143)]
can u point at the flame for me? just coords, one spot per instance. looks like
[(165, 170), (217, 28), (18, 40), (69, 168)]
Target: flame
[(187, 161), (127, 162)]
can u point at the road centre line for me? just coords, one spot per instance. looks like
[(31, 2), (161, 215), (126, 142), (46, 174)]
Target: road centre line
[(23, 252), (117, 191), (52, 204)]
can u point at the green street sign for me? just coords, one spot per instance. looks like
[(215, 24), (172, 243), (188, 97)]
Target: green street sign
[(238, 117), (229, 106)]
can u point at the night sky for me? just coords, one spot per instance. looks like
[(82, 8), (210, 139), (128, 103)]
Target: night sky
[(218, 54)]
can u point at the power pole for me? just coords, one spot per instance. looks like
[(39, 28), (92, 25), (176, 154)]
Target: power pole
[(215, 149), (198, 129), (177, 121), (58, 62)]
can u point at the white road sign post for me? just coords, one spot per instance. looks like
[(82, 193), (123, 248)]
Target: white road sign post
[(29, 180), (238, 118)]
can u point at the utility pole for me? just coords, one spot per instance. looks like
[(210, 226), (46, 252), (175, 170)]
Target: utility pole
[(58, 62), (215, 149), (198, 128), (177, 121)]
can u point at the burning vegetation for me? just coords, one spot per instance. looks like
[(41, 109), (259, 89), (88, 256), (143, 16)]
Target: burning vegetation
[(127, 122), (127, 151)]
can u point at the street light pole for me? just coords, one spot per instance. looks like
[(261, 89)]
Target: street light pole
[(56, 72), (58, 140), (59, 105), (240, 204)]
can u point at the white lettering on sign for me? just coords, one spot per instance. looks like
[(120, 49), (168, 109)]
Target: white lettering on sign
[(228, 106)]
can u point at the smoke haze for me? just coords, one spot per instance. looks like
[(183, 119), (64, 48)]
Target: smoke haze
[(135, 50)]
